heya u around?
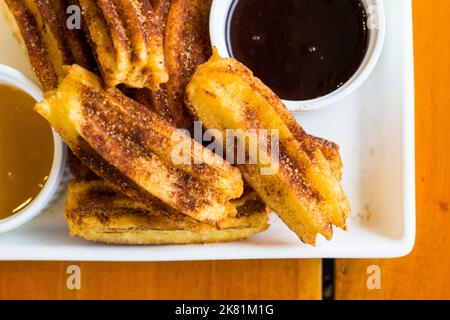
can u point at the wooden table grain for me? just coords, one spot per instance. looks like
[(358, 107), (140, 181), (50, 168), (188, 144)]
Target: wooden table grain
[(425, 274), (270, 279)]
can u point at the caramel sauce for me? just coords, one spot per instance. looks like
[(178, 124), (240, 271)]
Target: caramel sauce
[(301, 49), (26, 151)]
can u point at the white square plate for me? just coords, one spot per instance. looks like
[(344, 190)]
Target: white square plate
[(375, 128)]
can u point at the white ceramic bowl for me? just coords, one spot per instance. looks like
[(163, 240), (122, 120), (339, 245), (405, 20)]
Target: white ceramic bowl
[(51, 189), (218, 30)]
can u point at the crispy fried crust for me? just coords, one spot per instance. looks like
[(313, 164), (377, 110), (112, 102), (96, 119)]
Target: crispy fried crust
[(186, 46), (72, 43), (106, 129), (161, 8), (31, 33), (184, 26), (41, 29), (95, 211), (331, 152), (127, 41), (157, 99), (305, 191)]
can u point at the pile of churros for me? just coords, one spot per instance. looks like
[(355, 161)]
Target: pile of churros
[(127, 90)]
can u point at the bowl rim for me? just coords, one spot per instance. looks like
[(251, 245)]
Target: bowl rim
[(218, 33), (14, 78)]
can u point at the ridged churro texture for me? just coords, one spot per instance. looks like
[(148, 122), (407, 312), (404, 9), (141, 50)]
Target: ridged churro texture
[(127, 41), (131, 147), (97, 212), (306, 191), (184, 26), (40, 25), (187, 45)]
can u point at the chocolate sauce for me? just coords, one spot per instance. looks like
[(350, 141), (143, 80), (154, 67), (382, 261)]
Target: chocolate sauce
[(301, 49)]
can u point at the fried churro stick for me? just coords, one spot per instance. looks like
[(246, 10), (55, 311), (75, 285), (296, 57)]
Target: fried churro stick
[(187, 45), (97, 212), (127, 42), (184, 25), (306, 191), (133, 148), (40, 25)]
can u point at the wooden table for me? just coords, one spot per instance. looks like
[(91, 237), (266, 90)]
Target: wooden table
[(424, 274)]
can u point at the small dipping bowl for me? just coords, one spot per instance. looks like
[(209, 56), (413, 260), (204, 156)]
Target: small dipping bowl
[(53, 185), (222, 10)]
